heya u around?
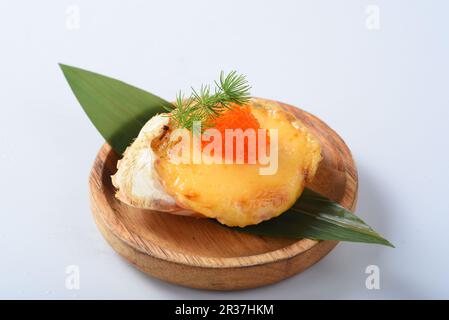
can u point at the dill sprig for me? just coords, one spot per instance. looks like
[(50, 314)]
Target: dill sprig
[(203, 104)]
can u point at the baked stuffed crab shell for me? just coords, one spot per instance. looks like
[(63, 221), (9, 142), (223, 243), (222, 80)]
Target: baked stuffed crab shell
[(234, 194)]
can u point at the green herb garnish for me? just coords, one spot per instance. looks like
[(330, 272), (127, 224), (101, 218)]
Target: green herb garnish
[(203, 105)]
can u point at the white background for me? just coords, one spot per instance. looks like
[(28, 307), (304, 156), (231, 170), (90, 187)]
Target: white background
[(385, 91)]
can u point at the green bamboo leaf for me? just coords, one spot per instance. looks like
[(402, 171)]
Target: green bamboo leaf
[(118, 110), (316, 217)]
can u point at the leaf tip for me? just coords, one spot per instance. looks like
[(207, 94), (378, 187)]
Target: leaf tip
[(385, 242), (389, 244), (63, 66)]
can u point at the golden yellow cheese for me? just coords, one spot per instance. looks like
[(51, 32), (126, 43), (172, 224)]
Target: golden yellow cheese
[(237, 194)]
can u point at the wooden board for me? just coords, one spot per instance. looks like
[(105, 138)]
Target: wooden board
[(200, 253)]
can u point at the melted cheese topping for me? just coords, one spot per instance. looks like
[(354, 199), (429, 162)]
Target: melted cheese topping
[(236, 194)]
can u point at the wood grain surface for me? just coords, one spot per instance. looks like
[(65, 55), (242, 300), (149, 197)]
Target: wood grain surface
[(200, 253)]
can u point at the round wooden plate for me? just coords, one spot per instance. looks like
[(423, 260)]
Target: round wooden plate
[(200, 253)]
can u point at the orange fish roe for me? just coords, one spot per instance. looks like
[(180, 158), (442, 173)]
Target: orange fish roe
[(239, 117)]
